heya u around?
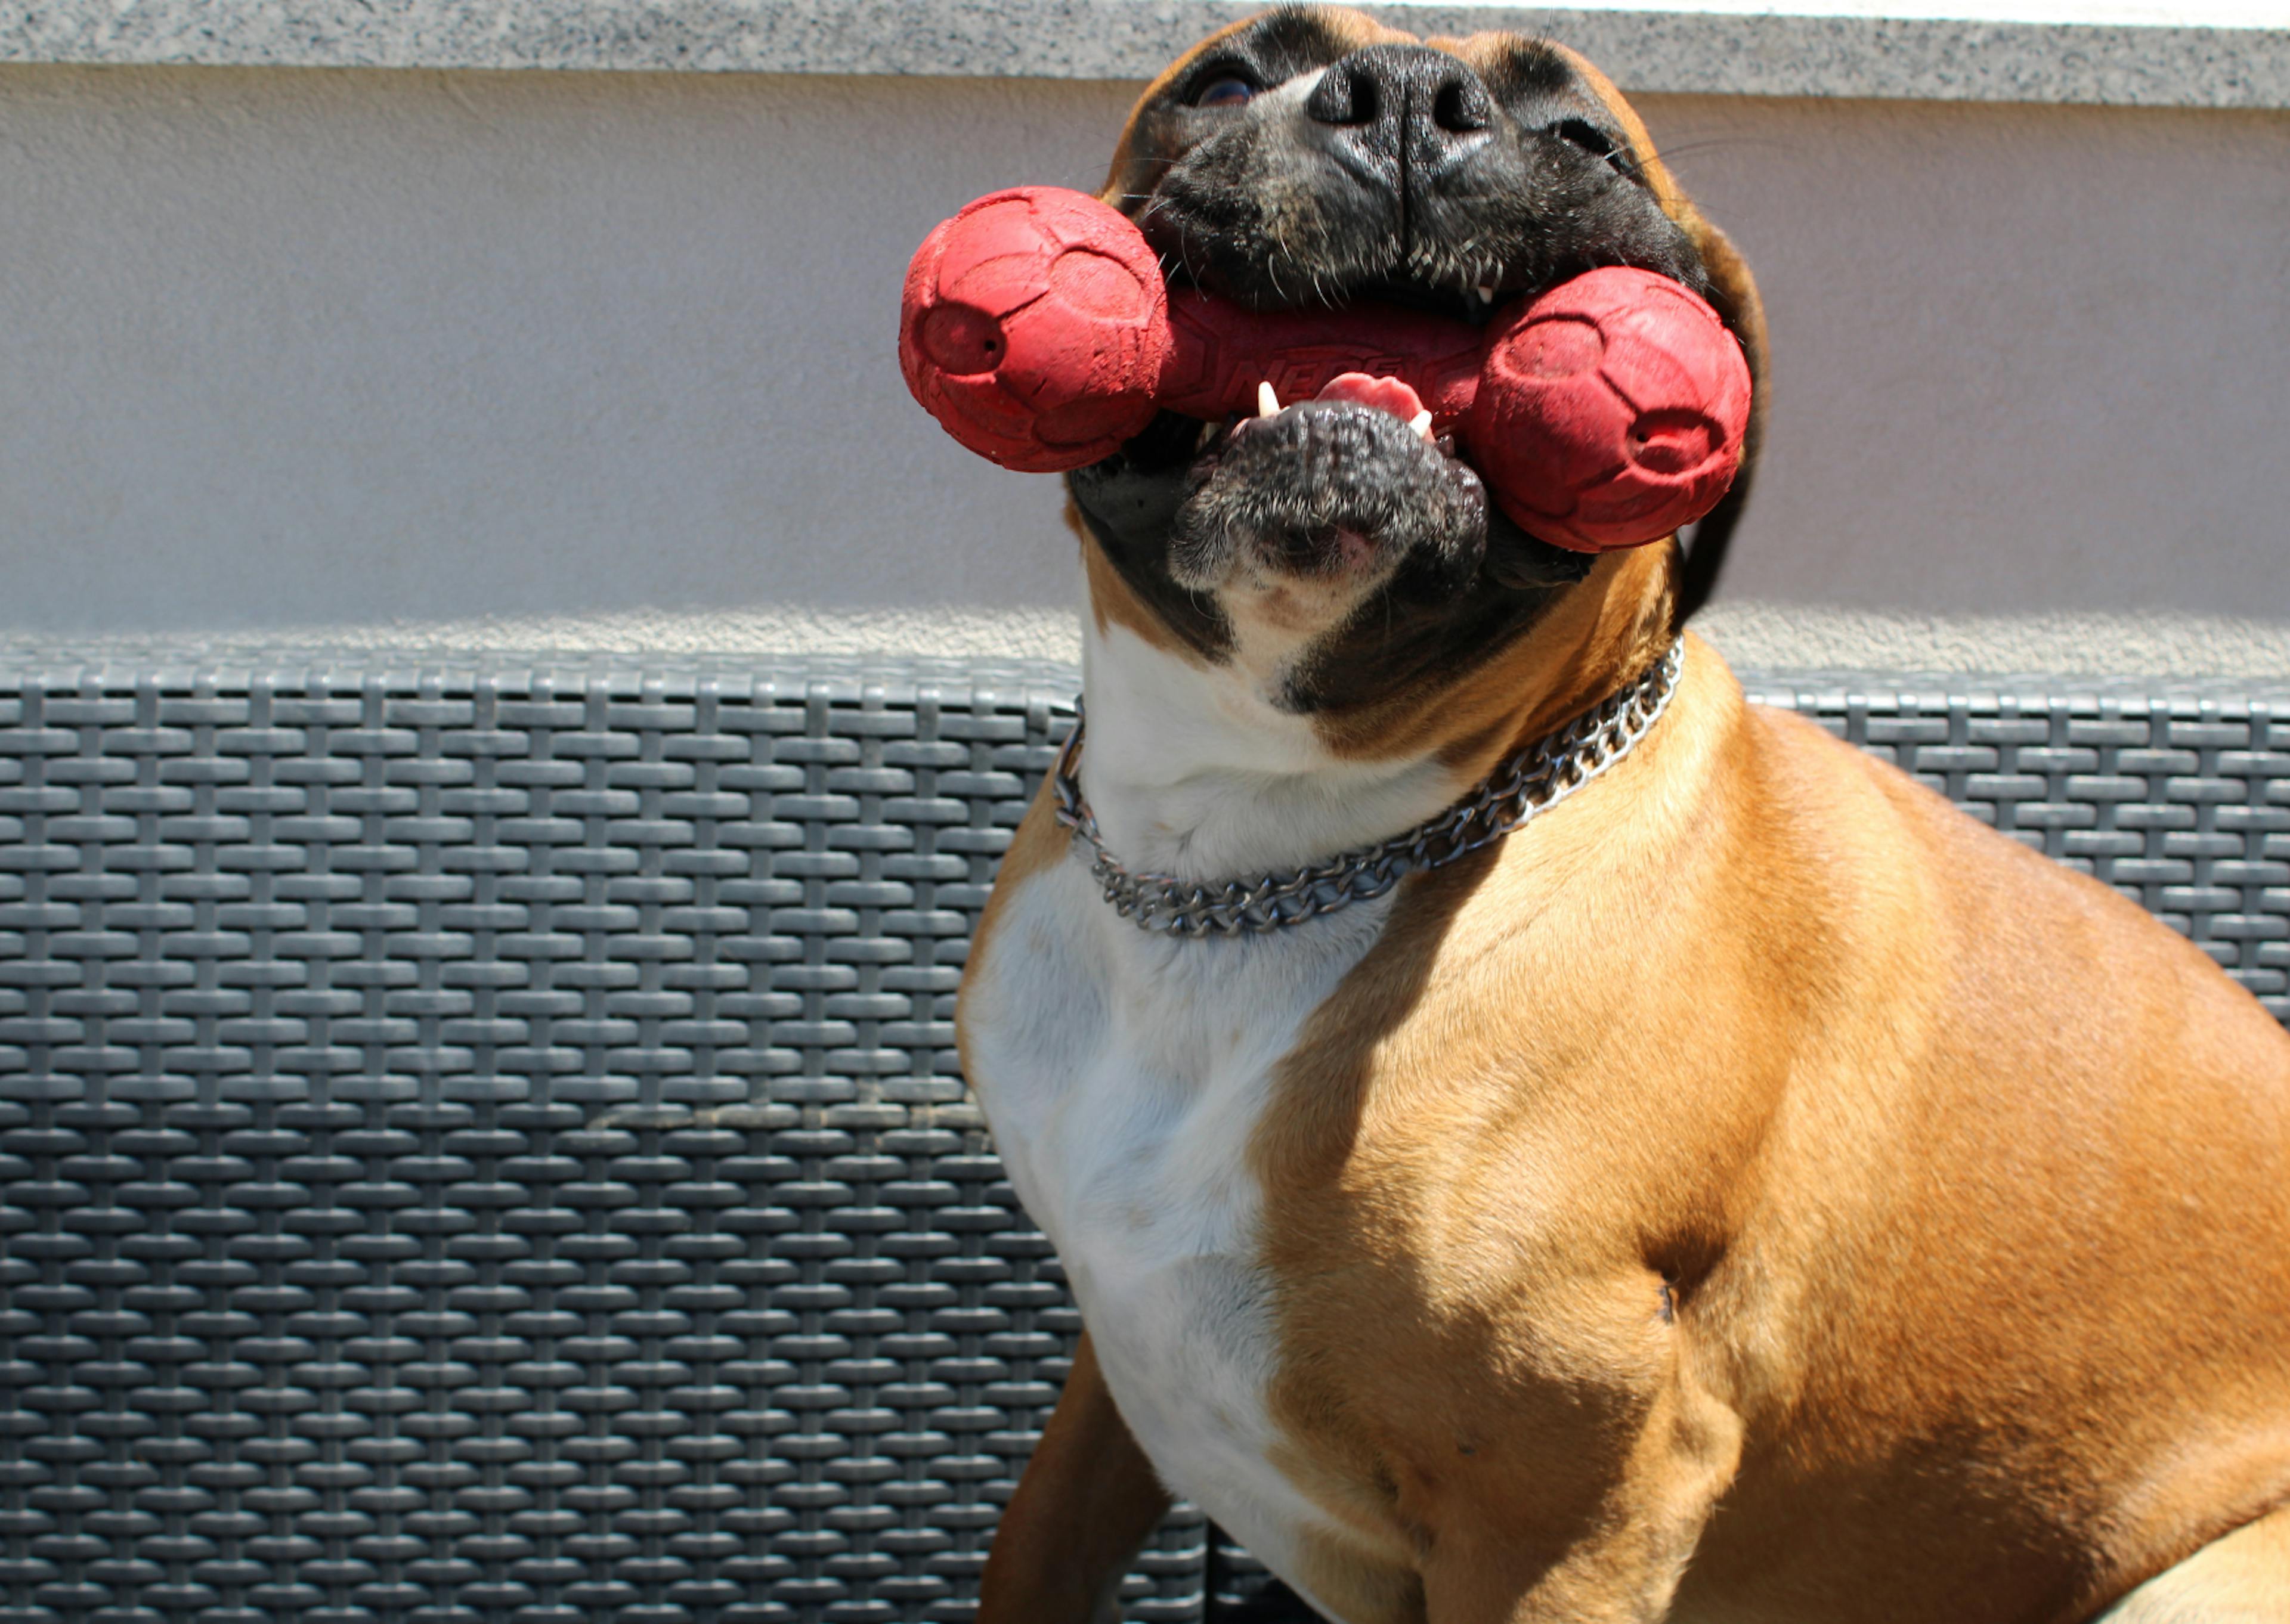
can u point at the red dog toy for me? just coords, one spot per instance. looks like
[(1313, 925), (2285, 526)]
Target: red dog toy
[(1605, 413)]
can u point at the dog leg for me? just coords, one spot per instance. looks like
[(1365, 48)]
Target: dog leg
[(1613, 1556), (1085, 1503), (2242, 1577)]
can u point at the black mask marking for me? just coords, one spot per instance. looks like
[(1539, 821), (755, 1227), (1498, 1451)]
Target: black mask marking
[(1404, 174)]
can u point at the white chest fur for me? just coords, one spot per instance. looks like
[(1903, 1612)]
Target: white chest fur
[(1124, 1077)]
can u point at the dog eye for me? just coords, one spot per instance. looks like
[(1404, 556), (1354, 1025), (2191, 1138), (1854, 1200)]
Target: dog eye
[(1225, 90)]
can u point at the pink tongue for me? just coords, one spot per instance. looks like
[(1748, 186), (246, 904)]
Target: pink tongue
[(1387, 394)]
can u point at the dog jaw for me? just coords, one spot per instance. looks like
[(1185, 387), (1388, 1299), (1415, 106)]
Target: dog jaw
[(1335, 491)]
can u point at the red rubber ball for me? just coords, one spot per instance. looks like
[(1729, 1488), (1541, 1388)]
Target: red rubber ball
[(1612, 410), (1034, 328)]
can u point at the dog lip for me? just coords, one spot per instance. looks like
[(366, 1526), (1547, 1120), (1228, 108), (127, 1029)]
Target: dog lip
[(1458, 302), (1472, 300), (1218, 437), (1284, 498)]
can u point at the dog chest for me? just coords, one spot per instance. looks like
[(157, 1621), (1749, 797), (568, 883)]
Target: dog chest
[(1126, 1077)]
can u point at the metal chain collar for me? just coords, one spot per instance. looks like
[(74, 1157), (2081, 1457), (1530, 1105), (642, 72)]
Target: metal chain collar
[(1526, 785)]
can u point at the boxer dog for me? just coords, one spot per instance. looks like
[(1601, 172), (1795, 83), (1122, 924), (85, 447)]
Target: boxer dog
[(1748, 1192)]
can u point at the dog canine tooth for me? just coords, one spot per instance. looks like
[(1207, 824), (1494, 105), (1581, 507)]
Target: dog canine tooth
[(1268, 403), (1421, 422)]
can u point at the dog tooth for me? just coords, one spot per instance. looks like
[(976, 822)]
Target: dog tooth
[(1268, 403), (1208, 433), (1421, 422), (1486, 293)]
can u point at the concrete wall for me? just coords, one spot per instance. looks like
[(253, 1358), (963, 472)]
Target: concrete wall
[(309, 348)]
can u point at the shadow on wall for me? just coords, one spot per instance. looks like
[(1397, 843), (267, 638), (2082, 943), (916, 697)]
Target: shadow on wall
[(295, 348), (2026, 358)]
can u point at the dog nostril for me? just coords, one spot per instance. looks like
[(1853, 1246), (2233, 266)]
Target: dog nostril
[(1585, 136), (1344, 96), (1461, 106)]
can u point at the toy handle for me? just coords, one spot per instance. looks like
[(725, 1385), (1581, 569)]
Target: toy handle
[(1218, 353)]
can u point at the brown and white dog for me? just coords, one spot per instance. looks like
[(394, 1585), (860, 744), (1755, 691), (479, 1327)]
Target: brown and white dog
[(1752, 1192)]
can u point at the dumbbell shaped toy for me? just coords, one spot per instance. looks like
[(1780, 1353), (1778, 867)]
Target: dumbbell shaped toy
[(1606, 413)]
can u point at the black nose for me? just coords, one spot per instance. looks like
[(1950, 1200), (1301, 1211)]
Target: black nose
[(1403, 104)]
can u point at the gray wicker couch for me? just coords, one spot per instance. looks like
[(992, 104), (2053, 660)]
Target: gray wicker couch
[(483, 1141)]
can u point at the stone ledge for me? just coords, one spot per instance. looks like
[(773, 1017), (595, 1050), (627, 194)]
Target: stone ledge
[(2081, 54), (1752, 635)]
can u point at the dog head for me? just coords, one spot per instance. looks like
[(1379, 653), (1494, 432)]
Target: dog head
[(1329, 556)]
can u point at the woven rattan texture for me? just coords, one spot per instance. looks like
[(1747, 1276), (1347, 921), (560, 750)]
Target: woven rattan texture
[(485, 1143)]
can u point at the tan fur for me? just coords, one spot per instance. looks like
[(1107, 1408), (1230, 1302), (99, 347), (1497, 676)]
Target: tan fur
[(1039, 841), (1112, 604), (1934, 1141), (1617, 621), (1087, 1501), (2242, 1579), (1757, 1192)]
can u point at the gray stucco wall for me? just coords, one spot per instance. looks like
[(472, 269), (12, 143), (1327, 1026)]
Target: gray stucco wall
[(577, 357)]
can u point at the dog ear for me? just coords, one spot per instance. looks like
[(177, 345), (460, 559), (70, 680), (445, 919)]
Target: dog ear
[(1734, 295)]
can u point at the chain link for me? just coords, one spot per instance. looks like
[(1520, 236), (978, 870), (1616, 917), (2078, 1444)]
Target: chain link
[(1524, 785)]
